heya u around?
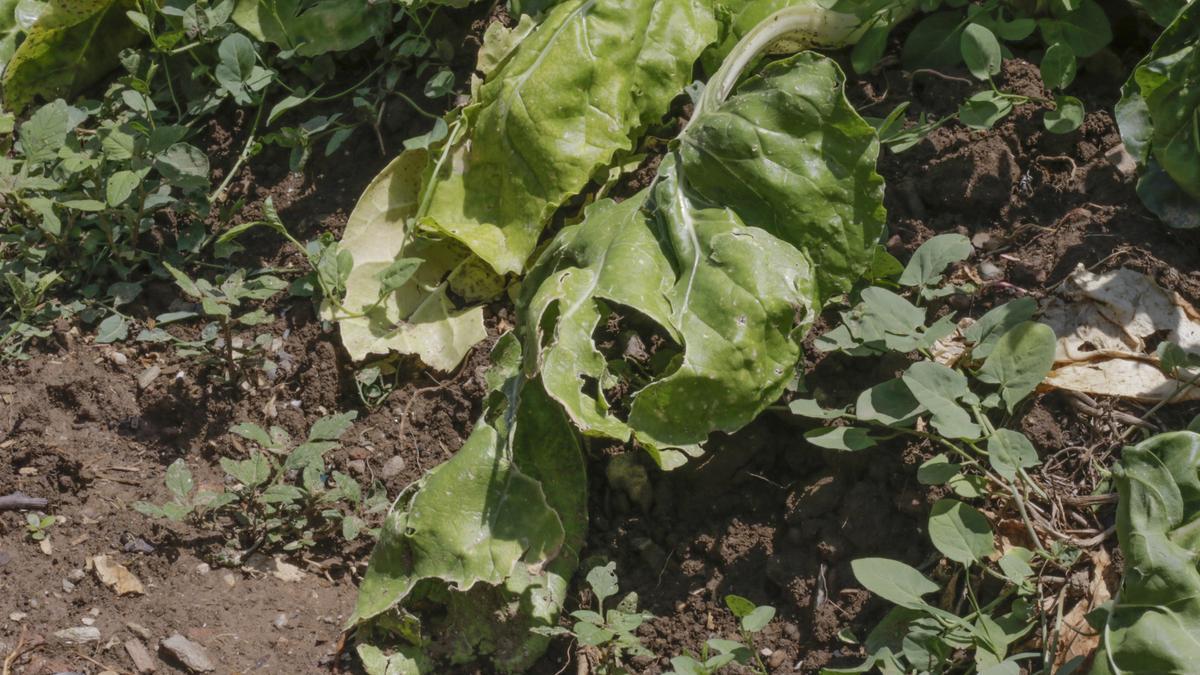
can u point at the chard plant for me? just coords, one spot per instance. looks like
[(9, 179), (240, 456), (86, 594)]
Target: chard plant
[(737, 246)]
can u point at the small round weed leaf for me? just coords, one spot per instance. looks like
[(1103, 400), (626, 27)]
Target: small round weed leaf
[(1066, 117), (960, 531), (984, 109), (758, 619), (1020, 361), (603, 581), (741, 607), (1015, 564), (931, 259), (840, 438), (1009, 451), (893, 581), (937, 470), (1058, 66), (980, 51), (934, 42)]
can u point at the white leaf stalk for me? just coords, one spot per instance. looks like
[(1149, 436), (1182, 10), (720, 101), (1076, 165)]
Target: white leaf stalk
[(793, 29)]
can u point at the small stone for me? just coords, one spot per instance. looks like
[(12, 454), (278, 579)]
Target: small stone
[(280, 621), (138, 630), (203, 568), (67, 586), (4, 558), (777, 660), (990, 270), (1121, 160), (79, 635), (46, 547), (117, 577), (357, 467), (189, 654), (983, 241), (76, 575), (88, 621), (393, 467), (17, 616), (148, 375), (118, 358), (33, 602), (229, 579), (142, 661)]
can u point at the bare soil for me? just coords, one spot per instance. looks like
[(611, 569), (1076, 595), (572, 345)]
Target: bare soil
[(766, 516)]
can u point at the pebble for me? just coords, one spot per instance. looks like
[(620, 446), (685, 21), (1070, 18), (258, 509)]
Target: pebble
[(76, 575), (229, 579), (88, 621), (357, 467), (79, 634), (191, 655), (203, 568), (138, 630), (17, 616), (4, 558), (990, 270), (67, 585), (142, 661), (118, 358), (393, 467), (280, 621)]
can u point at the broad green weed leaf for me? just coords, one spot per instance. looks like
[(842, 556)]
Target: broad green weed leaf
[(1015, 564), (1066, 117), (45, 132), (418, 317), (1009, 451), (987, 331), (120, 186), (741, 607), (603, 581), (757, 619), (809, 408), (934, 42), (891, 403), (499, 525), (937, 470), (1058, 66), (179, 480), (840, 438), (893, 581), (112, 329), (932, 258), (1153, 625), (72, 44), (10, 30), (939, 388), (1020, 361), (960, 531), (1085, 30), (184, 165), (253, 432), (569, 97), (407, 660), (331, 427), (313, 28), (983, 110), (980, 51)]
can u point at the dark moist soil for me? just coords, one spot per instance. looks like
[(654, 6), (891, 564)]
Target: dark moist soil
[(764, 515)]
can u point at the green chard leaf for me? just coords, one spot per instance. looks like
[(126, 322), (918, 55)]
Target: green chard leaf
[(1153, 623), (570, 96), (493, 535), (73, 44), (728, 286), (1159, 118)]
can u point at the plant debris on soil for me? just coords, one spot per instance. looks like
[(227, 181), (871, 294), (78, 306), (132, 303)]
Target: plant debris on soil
[(765, 515)]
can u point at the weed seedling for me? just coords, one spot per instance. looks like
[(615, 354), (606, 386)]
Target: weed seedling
[(610, 634)]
